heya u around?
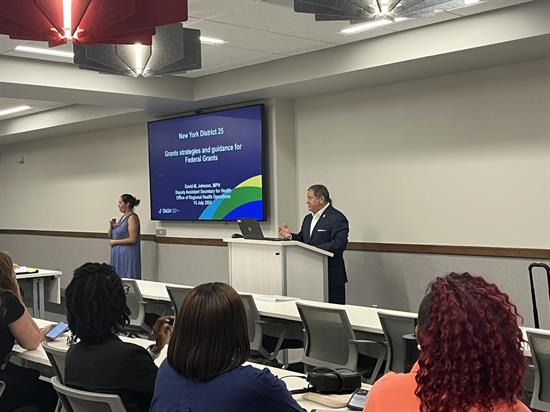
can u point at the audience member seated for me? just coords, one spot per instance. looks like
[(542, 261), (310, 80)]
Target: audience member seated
[(23, 388), (204, 370), (471, 356), (100, 361)]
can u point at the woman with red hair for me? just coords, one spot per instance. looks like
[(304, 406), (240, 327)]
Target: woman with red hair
[(471, 357)]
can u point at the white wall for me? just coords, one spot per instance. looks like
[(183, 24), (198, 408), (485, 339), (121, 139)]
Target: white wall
[(462, 159), (73, 183)]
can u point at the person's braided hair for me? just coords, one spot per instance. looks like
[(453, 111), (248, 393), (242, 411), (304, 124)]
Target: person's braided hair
[(96, 303)]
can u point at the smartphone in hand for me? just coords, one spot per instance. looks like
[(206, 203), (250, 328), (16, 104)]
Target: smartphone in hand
[(59, 329)]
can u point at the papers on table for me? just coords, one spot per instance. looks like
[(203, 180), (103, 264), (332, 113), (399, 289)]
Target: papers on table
[(274, 298), (24, 269)]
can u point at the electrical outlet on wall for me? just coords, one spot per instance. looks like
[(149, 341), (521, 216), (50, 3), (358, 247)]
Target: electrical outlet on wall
[(160, 232)]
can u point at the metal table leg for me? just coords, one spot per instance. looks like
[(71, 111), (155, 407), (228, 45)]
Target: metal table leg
[(41, 299), (35, 298)]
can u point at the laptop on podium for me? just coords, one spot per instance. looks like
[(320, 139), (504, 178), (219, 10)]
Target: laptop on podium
[(250, 228)]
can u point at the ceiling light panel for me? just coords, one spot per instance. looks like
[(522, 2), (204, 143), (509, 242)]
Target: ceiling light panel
[(44, 51), (13, 110)]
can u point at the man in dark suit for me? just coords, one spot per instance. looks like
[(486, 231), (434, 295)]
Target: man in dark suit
[(325, 228)]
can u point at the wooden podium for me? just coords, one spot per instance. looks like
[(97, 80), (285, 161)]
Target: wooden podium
[(288, 268)]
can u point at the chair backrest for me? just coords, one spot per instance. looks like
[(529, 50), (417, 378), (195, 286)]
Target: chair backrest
[(328, 334), (177, 295), (57, 359), (253, 322), (410, 352), (84, 401), (135, 302), (538, 312), (6, 361), (394, 328), (539, 342)]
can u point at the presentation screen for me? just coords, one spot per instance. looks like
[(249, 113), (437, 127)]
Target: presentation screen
[(208, 166)]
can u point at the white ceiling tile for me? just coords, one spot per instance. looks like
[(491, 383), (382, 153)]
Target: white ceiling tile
[(281, 19), (207, 9), (252, 39), (486, 5), (44, 45), (214, 56)]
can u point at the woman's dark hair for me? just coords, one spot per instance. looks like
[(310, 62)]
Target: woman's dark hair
[(96, 303), (210, 335), (471, 346), (320, 191), (7, 283), (130, 200)]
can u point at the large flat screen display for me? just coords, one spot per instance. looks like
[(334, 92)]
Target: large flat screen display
[(208, 166)]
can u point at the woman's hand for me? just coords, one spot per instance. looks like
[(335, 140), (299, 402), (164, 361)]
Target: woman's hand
[(163, 331), (112, 242), (45, 330)]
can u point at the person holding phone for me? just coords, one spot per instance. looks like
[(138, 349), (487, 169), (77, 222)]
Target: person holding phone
[(100, 361), (125, 239), (57, 331), (23, 388)]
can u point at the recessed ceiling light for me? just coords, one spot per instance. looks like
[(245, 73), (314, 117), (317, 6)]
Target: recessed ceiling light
[(357, 28), (48, 52), (13, 110), (468, 2), (212, 41)]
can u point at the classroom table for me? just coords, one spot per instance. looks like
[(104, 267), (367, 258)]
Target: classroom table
[(362, 318), (38, 357), (45, 285)]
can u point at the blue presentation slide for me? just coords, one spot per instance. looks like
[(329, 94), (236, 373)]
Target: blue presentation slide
[(208, 166)]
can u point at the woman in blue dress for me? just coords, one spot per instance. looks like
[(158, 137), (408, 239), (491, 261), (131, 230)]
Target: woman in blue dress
[(125, 239)]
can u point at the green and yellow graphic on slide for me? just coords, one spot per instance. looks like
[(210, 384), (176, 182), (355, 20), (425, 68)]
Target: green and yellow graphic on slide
[(246, 195)]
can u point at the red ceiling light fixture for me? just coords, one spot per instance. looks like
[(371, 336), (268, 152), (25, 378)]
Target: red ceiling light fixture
[(89, 21)]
